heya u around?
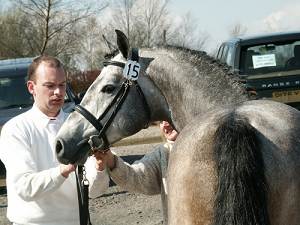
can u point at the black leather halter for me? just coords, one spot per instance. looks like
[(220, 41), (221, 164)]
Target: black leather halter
[(117, 102)]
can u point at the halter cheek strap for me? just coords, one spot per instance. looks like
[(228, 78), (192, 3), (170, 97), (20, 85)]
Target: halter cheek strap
[(118, 99)]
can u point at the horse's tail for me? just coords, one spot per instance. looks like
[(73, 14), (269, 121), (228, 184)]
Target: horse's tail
[(241, 197)]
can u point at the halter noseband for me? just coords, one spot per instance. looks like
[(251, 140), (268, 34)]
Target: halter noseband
[(118, 100)]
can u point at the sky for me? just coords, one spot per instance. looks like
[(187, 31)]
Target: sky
[(217, 17)]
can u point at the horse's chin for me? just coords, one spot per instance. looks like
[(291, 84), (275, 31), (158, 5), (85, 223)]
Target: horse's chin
[(82, 153), (81, 160)]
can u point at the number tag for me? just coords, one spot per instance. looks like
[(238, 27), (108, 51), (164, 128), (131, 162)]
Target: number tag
[(131, 70)]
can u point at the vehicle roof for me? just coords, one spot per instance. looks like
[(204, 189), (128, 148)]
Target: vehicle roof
[(266, 38), (14, 67)]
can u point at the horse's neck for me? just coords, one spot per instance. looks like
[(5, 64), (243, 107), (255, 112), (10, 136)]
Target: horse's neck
[(181, 100), (191, 90)]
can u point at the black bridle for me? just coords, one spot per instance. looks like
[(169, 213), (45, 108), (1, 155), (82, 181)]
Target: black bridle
[(117, 102)]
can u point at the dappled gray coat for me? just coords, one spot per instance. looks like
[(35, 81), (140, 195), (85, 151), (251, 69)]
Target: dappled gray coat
[(147, 175)]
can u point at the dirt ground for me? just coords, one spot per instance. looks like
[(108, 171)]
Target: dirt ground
[(117, 206)]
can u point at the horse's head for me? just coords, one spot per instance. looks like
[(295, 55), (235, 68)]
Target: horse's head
[(118, 104)]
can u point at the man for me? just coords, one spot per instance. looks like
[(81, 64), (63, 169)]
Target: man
[(148, 175), (39, 189)]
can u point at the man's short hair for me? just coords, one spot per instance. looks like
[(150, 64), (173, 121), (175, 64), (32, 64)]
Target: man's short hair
[(50, 60)]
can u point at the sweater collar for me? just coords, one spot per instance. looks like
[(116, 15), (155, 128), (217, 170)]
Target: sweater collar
[(43, 119)]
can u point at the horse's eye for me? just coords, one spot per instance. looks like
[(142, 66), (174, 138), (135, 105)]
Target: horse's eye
[(108, 89)]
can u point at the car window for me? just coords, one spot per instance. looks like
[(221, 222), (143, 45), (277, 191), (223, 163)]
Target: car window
[(219, 55), (224, 53), (229, 58), (267, 58), (13, 93)]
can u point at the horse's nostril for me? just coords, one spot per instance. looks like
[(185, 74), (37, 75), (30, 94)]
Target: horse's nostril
[(60, 152), (59, 149), (69, 152)]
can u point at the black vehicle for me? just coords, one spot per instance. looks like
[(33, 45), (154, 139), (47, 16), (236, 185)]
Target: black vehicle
[(14, 96), (269, 65)]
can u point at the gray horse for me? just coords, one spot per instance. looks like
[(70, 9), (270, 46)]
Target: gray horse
[(235, 162)]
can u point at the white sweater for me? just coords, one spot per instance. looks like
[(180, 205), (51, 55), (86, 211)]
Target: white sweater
[(37, 193)]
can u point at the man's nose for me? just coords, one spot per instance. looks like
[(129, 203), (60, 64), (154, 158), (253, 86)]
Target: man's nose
[(58, 91)]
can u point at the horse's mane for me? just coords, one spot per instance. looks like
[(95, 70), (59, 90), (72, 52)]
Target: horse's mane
[(199, 79), (226, 70)]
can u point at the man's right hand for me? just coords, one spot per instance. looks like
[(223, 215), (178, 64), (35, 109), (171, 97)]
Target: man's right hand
[(104, 159)]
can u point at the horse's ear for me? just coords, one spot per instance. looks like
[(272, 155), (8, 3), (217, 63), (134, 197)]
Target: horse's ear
[(123, 43)]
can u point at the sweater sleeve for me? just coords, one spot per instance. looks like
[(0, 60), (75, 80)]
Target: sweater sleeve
[(23, 175), (98, 180), (143, 176)]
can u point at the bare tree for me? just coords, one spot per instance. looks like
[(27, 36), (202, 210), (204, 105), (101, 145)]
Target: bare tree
[(237, 30), (143, 21), (201, 40), (92, 46), (187, 34), (122, 16), (153, 18), (12, 35), (52, 26)]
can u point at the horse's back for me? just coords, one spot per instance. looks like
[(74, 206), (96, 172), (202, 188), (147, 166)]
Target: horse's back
[(193, 171)]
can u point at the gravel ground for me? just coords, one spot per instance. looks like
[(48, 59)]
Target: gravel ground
[(117, 206)]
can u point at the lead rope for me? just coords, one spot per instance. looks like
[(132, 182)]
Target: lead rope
[(83, 195)]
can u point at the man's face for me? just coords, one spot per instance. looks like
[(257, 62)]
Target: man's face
[(49, 89)]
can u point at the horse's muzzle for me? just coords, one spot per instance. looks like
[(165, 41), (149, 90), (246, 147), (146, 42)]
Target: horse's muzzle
[(76, 155)]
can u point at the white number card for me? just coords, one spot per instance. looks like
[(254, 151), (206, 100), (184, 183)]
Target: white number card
[(131, 70)]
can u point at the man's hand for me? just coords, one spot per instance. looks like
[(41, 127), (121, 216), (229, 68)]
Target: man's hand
[(65, 170), (168, 131), (104, 159)]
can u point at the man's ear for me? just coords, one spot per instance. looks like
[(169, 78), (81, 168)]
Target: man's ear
[(30, 86)]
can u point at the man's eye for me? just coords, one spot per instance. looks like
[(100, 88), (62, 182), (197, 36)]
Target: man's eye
[(49, 86)]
